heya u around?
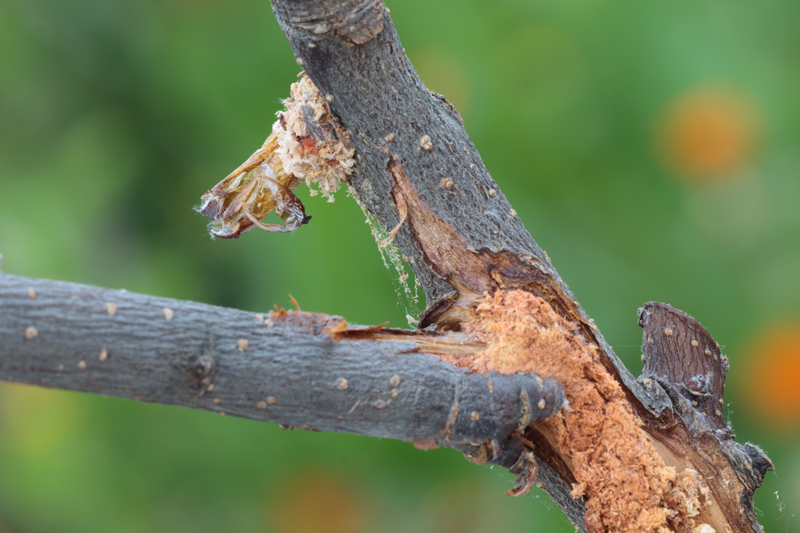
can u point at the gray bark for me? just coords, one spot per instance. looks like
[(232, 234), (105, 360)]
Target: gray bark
[(283, 370)]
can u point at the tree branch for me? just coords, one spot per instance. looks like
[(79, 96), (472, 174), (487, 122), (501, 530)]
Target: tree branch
[(628, 455), (417, 169), (280, 367)]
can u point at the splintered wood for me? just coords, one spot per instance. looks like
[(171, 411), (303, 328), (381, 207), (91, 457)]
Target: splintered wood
[(627, 485)]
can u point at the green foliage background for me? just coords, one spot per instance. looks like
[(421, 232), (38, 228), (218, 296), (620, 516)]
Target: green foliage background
[(116, 115)]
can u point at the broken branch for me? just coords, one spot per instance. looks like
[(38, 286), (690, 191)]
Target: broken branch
[(281, 367)]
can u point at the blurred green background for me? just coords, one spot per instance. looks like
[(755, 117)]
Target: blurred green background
[(653, 149)]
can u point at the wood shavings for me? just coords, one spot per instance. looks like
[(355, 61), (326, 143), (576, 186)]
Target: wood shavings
[(313, 144), (628, 486)]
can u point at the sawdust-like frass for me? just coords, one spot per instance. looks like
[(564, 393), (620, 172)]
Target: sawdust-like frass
[(307, 143), (313, 145), (628, 486)]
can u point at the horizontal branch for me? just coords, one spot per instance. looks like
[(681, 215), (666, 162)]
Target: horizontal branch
[(281, 368)]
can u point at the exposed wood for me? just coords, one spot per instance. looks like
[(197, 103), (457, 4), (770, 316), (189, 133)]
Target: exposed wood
[(463, 239)]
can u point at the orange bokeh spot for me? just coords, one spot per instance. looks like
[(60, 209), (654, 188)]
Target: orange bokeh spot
[(708, 135), (315, 501), (771, 377)]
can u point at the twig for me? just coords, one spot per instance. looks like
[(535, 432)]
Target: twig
[(280, 367)]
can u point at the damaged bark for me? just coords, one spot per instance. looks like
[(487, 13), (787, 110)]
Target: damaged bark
[(475, 259), (683, 362), (302, 370)]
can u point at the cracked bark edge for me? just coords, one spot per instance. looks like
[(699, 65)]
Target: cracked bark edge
[(283, 369), (683, 363)]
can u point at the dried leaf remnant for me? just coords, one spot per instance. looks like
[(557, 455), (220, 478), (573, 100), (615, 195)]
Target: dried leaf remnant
[(308, 143)]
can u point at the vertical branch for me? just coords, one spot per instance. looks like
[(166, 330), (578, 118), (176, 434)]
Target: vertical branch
[(420, 175)]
